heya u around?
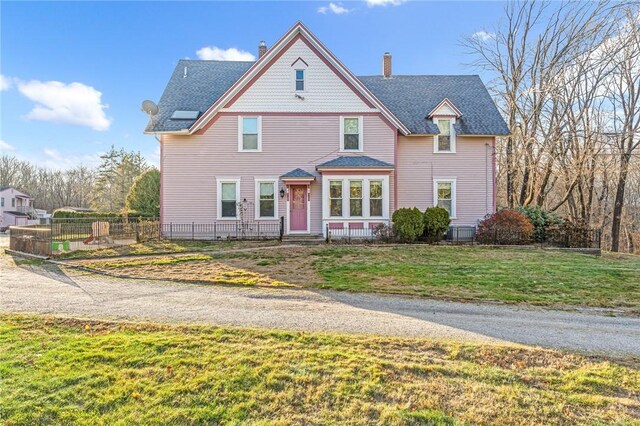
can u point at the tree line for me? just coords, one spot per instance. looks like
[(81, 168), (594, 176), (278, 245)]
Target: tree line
[(106, 188), (566, 76)]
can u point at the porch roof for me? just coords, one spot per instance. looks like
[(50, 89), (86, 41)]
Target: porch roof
[(355, 161), (297, 174)]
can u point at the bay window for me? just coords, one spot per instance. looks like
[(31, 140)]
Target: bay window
[(335, 198), (375, 198), (355, 198)]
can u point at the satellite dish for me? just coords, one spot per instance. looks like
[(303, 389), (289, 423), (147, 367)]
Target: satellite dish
[(150, 108)]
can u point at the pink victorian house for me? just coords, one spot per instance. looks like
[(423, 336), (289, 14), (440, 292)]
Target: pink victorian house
[(296, 135)]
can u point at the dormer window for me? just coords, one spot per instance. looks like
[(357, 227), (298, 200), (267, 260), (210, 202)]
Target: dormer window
[(299, 80), (444, 138)]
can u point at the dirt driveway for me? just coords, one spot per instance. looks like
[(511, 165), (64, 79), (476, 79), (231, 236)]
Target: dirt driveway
[(50, 290)]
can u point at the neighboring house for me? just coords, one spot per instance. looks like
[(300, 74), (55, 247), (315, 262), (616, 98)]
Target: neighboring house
[(297, 135), (16, 208)]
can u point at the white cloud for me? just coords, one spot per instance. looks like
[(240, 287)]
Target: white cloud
[(54, 159), (374, 3), (4, 146), (334, 8), (5, 83), (231, 54), (73, 103), (483, 35)]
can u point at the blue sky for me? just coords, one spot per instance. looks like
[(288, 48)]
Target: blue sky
[(74, 74)]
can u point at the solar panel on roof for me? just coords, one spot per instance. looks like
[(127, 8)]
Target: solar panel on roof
[(185, 115)]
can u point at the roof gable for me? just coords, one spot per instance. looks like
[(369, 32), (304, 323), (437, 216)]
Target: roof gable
[(445, 108), (297, 32)]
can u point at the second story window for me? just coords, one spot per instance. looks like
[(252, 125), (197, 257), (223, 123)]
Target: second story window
[(13, 202), (351, 134), (249, 134), (299, 80), (445, 141), (2, 202)]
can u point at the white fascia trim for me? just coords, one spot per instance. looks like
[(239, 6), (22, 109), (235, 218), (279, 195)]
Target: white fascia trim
[(219, 182), (266, 58), (257, 182), (454, 191), (169, 132)]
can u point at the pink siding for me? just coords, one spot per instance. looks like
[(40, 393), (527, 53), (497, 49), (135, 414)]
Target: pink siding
[(471, 166), (190, 164)]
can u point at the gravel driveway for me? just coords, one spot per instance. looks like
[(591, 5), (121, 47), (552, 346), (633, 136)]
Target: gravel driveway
[(50, 290)]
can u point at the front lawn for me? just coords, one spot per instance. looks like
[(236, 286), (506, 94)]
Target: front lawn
[(65, 371), (162, 247), (511, 275)]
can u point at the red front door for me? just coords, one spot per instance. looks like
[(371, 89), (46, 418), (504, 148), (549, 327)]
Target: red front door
[(298, 208)]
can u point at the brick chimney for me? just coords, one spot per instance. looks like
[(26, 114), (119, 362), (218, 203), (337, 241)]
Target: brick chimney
[(262, 48), (386, 65)]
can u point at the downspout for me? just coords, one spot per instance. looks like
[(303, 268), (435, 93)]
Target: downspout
[(395, 171), (495, 183), (161, 182)]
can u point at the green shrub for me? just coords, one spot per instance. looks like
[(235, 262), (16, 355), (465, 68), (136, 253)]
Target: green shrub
[(70, 214), (436, 223), (541, 219), (408, 224), (505, 227), (144, 195)]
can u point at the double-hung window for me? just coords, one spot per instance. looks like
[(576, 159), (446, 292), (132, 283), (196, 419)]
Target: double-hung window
[(445, 195), (13, 202), (351, 133), (299, 80), (335, 198), (249, 134), (228, 194), (445, 141), (2, 202), (355, 198), (375, 198), (266, 199)]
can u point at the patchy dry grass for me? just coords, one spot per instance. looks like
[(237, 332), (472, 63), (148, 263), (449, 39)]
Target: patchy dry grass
[(549, 278), (163, 247), (62, 371)]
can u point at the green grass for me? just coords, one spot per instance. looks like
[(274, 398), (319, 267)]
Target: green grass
[(510, 275), (63, 371), (161, 247)]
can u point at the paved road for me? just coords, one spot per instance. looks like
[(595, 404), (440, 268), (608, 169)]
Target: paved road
[(50, 290)]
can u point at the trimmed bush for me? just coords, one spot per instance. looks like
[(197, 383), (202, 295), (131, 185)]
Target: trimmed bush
[(408, 224), (505, 227), (436, 223), (70, 214), (541, 219)]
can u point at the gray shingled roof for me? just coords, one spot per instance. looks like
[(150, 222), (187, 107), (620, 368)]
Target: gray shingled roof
[(412, 97), (205, 83), (297, 173), (355, 161), (409, 98)]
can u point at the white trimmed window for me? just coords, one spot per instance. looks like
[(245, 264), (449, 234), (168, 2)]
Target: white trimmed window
[(375, 198), (249, 134), (299, 80), (364, 198), (351, 133), (445, 142), (444, 195), (228, 196), (335, 198), (266, 202), (355, 198)]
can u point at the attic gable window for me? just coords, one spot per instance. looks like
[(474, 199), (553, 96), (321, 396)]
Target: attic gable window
[(299, 80)]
